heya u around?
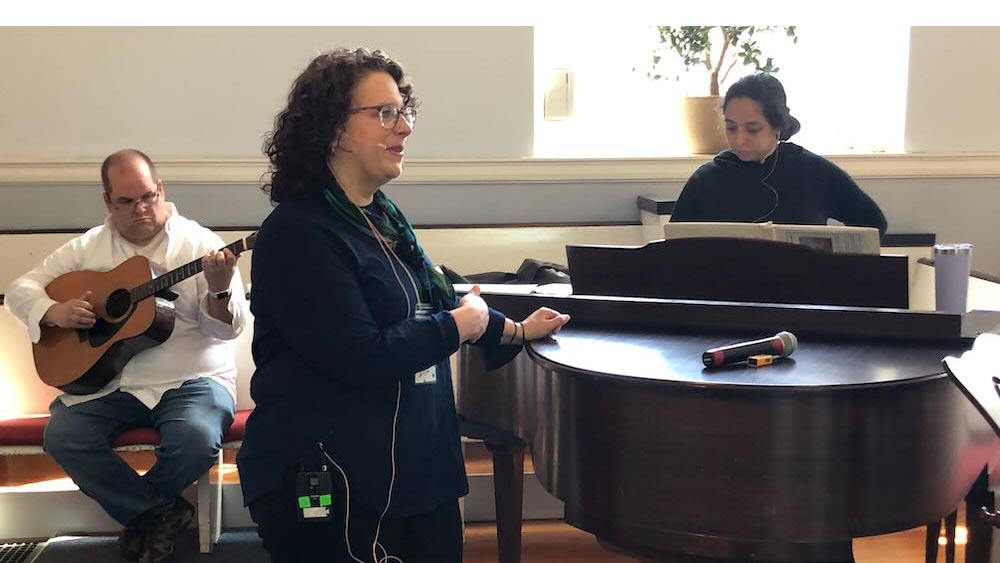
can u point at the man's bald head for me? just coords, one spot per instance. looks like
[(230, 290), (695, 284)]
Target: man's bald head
[(125, 156), (134, 196)]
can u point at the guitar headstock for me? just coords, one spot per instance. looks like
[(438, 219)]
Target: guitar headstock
[(249, 240), (243, 244)]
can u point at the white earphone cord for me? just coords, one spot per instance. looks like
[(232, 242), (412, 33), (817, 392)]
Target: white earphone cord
[(386, 249), (376, 546), (777, 199), (386, 558)]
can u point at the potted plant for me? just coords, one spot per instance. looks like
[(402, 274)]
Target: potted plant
[(716, 49)]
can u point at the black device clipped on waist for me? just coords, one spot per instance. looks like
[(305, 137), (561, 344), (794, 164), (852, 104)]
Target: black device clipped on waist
[(314, 493)]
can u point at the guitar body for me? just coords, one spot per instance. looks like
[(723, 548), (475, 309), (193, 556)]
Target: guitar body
[(84, 361), (132, 316)]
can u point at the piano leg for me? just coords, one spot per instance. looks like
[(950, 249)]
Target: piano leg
[(508, 491), (977, 550), (933, 535), (931, 547), (950, 522)]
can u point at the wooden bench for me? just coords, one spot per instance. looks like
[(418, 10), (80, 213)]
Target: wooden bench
[(23, 435)]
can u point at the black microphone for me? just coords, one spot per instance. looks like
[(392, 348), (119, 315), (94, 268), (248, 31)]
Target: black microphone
[(781, 345)]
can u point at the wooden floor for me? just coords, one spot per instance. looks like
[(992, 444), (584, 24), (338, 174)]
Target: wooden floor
[(551, 541), (548, 541)]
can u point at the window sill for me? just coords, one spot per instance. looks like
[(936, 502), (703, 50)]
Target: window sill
[(512, 170)]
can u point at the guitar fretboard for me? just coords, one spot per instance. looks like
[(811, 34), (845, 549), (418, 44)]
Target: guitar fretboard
[(178, 275)]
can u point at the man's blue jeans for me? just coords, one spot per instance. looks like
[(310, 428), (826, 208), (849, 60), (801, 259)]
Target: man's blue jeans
[(191, 419)]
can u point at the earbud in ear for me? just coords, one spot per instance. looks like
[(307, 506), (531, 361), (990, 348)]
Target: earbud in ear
[(336, 146)]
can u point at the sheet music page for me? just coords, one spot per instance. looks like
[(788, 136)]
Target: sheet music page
[(721, 229), (987, 347), (561, 289), (830, 238), (976, 373), (498, 288)]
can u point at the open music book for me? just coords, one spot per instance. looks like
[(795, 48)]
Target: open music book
[(830, 238), (518, 289), (977, 374)]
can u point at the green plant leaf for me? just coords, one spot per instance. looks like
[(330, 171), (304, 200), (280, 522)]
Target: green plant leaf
[(693, 45)]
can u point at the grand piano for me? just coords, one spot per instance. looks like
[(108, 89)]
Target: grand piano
[(859, 433)]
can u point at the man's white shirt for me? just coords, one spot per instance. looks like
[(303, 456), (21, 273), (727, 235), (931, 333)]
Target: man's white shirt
[(200, 345)]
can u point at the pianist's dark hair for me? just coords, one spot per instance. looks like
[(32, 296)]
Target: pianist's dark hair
[(770, 94), (318, 107)]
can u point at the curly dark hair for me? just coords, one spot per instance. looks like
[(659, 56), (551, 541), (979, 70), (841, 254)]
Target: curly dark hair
[(318, 107), (770, 94)]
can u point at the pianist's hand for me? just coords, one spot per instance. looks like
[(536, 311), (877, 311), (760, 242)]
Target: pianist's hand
[(544, 322)]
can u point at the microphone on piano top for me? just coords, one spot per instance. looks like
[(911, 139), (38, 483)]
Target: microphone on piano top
[(780, 345)]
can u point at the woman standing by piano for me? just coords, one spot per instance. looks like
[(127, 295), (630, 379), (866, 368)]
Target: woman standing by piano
[(352, 452)]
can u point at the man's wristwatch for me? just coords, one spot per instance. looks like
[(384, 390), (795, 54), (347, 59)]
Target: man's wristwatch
[(224, 294)]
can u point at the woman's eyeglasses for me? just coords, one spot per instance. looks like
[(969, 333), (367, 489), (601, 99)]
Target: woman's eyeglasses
[(388, 115)]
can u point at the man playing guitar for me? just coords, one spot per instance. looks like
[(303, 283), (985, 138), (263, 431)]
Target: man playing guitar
[(184, 387)]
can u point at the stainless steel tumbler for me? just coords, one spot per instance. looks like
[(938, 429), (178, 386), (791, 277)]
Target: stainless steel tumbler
[(952, 264)]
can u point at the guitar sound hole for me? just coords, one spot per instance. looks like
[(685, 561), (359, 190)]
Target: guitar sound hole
[(118, 303)]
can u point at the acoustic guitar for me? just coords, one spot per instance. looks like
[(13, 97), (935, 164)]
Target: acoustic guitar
[(83, 361)]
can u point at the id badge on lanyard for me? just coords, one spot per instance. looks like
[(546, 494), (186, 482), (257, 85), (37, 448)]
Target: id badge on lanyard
[(429, 375)]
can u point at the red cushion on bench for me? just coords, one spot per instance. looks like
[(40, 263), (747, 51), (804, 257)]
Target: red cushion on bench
[(239, 427), (29, 430), (138, 437), (24, 430)]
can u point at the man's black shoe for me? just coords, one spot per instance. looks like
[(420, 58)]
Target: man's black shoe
[(162, 530), (130, 540)]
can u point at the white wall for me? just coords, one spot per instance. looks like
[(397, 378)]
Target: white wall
[(953, 90), (954, 210), (71, 92)]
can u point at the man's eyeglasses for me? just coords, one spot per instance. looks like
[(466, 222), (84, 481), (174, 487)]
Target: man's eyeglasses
[(149, 199), (388, 115)]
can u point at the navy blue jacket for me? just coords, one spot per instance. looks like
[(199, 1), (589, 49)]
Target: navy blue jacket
[(331, 341), (810, 189)]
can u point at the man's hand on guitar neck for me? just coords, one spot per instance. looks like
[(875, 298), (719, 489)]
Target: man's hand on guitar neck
[(219, 267), (74, 313)]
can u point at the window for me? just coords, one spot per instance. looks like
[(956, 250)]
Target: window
[(850, 96)]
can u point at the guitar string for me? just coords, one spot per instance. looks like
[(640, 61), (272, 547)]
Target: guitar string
[(177, 275)]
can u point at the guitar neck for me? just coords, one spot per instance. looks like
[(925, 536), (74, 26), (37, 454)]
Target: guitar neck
[(177, 275)]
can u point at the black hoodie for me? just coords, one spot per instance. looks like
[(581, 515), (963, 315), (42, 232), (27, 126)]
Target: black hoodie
[(808, 189)]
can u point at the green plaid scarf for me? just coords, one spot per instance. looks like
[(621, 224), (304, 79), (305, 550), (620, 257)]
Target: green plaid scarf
[(397, 230)]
